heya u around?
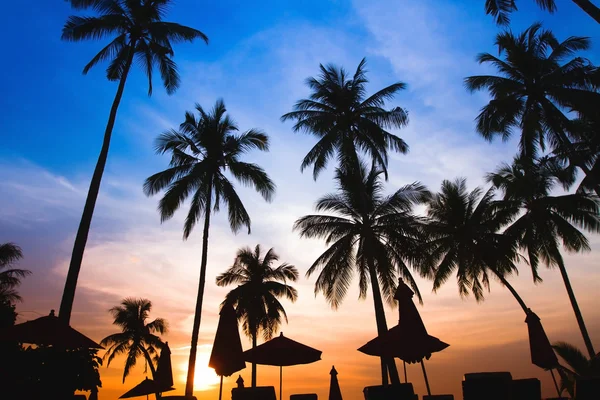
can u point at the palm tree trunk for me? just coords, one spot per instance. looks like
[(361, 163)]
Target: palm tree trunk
[(575, 305), (254, 364), (66, 304), (387, 364), (152, 370), (189, 384), (513, 291), (589, 8)]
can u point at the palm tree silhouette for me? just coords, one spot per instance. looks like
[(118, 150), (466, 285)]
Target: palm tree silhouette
[(10, 277), (141, 34), (368, 233), (256, 296), (539, 82), (138, 337), (501, 9), (202, 151), (544, 220), (463, 239), (345, 121), (579, 366)]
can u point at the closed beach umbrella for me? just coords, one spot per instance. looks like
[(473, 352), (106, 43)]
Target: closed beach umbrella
[(542, 353), (164, 370), (48, 331), (282, 352), (145, 388), (334, 386), (409, 340), (227, 356)]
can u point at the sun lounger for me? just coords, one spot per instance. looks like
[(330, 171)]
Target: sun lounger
[(310, 396), (487, 385), (257, 393), (404, 391), (526, 389)]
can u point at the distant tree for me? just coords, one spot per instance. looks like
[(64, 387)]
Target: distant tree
[(259, 286), (202, 152), (10, 277), (501, 9), (139, 33), (579, 366), (346, 121), (138, 337), (369, 234)]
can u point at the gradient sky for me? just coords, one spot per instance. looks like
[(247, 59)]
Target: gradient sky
[(259, 55)]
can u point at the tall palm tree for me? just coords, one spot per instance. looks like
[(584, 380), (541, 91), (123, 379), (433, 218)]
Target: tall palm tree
[(464, 239), (579, 366), (138, 337), (138, 32), (370, 234), (256, 296), (10, 277), (540, 82), (202, 151), (545, 221), (346, 121), (501, 9)]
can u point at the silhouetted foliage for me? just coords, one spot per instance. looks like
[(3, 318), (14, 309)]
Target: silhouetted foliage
[(138, 32), (346, 121), (501, 9), (579, 366), (10, 277), (202, 151)]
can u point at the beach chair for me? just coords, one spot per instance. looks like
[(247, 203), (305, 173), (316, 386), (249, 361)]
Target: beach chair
[(404, 391), (257, 393), (487, 385), (309, 396), (526, 389)]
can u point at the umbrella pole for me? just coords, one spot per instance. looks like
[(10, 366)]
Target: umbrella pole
[(221, 388), (280, 381), (405, 377), (425, 376), (555, 384)]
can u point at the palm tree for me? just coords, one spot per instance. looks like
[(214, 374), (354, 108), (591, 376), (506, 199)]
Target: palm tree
[(202, 151), (256, 296), (463, 239), (138, 338), (579, 366), (139, 33), (501, 9), (10, 277), (539, 82), (545, 221), (370, 234), (346, 121)]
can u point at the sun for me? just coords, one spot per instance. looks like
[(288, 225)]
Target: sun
[(205, 377)]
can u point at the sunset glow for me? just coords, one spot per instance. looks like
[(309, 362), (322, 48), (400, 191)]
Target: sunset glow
[(205, 377)]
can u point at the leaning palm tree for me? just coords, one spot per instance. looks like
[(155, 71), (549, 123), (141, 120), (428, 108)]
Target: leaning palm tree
[(346, 121), (202, 151), (540, 81), (464, 240), (545, 221), (138, 337), (369, 234), (501, 9), (579, 366), (138, 32), (10, 277), (259, 287)]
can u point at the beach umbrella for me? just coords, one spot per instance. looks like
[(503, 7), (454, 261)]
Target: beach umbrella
[(164, 370), (227, 356), (146, 388), (48, 331), (334, 386), (409, 340), (282, 352), (542, 353)]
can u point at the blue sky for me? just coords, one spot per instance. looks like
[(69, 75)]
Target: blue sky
[(258, 57)]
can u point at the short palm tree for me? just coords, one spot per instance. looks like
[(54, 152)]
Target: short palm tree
[(259, 288), (346, 121), (202, 151), (138, 32), (138, 337), (464, 238), (579, 366), (540, 81), (501, 9), (10, 277), (369, 234), (545, 221)]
